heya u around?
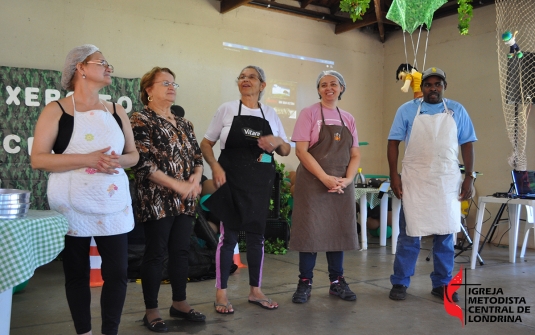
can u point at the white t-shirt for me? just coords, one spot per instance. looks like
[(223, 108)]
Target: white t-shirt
[(222, 121), (511, 42)]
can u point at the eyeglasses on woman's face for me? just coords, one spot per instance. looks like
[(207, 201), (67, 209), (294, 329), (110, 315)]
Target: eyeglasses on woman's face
[(102, 63), (250, 77), (167, 83)]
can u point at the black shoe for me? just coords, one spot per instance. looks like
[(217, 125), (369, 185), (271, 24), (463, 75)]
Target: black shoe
[(192, 315), (398, 292), (233, 268), (302, 293), (439, 292), (340, 288), (156, 325)]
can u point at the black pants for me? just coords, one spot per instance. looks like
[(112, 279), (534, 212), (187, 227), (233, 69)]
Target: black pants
[(171, 234), (225, 254), (114, 253)]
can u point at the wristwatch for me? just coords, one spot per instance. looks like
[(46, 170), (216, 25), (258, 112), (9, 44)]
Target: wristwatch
[(472, 174)]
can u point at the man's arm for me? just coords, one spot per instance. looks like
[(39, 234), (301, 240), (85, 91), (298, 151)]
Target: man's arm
[(395, 179), (467, 151)]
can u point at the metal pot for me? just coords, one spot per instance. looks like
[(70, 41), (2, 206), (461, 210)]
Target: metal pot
[(14, 203), (14, 211), (14, 196)]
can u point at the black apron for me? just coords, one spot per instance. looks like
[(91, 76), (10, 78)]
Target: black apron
[(242, 203)]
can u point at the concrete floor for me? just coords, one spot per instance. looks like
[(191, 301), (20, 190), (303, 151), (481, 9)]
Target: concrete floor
[(42, 308)]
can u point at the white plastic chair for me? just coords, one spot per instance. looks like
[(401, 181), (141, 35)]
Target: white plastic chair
[(530, 224)]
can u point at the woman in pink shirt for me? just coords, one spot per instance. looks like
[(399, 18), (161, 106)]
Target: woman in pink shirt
[(324, 215)]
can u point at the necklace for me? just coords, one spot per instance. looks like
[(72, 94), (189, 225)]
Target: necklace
[(163, 114)]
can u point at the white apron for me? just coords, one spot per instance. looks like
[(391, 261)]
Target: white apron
[(430, 176), (95, 204)]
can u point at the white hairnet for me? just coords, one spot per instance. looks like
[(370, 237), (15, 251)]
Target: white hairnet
[(74, 57), (261, 75), (334, 74)]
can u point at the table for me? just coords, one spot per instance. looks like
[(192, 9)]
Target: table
[(371, 195), (27, 243), (514, 206)]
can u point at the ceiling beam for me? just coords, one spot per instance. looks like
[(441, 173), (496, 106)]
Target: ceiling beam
[(334, 8), (379, 16), (296, 11), (367, 19), (228, 5), (305, 3)]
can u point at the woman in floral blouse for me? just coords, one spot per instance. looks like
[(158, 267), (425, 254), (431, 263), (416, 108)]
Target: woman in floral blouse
[(167, 181)]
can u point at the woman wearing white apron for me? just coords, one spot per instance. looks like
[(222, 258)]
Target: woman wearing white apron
[(92, 143), (430, 183)]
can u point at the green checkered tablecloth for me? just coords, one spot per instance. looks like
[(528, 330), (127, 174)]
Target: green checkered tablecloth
[(28, 243), (372, 195)]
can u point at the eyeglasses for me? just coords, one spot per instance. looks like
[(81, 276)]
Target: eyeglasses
[(167, 83), (250, 77), (102, 63), (436, 85)]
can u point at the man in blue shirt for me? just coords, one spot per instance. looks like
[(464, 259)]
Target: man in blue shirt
[(430, 184)]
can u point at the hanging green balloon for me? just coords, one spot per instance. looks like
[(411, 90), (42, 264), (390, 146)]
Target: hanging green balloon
[(410, 14)]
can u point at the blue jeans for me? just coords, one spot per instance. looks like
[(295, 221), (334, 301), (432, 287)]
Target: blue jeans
[(407, 251), (307, 262)]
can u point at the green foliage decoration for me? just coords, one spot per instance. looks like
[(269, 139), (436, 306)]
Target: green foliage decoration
[(355, 8), (242, 246), (275, 247), (270, 247), (285, 194), (465, 11)]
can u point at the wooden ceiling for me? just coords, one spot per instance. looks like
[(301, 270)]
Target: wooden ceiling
[(329, 11)]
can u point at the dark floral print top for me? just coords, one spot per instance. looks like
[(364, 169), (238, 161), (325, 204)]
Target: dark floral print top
[(173, 150)]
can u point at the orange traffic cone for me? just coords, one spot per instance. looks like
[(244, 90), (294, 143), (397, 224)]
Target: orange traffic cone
[(237, 259), (95, 276)]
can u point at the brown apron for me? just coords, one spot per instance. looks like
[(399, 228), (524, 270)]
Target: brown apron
[(323, 221)]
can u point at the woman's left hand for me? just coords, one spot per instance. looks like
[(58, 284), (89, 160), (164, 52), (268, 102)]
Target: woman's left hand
[(109, 163), (342, 184), (269, 143), (195, 180), (187, 190)]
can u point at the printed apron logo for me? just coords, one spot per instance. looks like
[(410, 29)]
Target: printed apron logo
[(248, 132), (483, 304)]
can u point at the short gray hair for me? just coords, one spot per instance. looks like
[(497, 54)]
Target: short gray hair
[(75, 56), (334, 74), (261, 75)]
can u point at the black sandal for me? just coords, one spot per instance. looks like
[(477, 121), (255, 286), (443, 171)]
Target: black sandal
[(157, 325)]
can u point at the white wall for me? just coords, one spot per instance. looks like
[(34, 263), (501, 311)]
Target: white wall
[(187, 36)]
